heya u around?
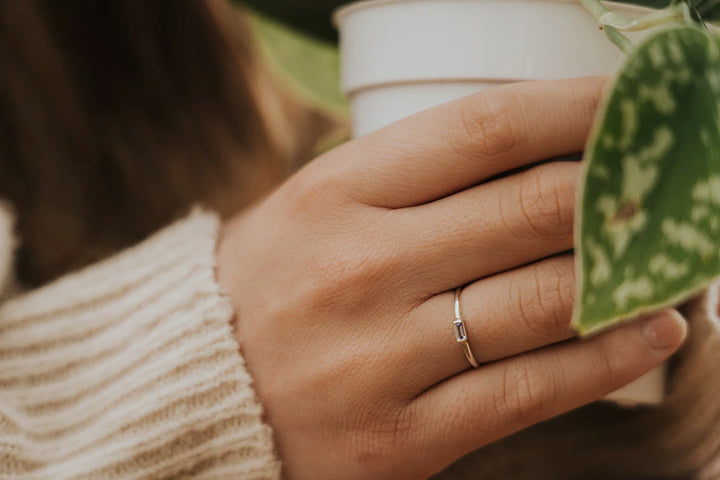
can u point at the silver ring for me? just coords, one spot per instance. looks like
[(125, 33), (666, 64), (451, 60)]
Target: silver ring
[(461, 333)]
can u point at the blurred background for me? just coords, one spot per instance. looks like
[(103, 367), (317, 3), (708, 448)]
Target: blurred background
[(117, 117)]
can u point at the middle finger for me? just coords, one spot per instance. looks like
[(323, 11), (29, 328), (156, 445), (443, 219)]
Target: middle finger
[(490, 228)]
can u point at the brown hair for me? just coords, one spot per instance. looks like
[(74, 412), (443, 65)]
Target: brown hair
[(116, 116)]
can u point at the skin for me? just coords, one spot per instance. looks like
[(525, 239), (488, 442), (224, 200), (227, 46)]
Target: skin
[(342, 281)]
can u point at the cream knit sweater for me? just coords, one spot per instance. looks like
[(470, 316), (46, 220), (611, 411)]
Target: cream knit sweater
[(129, 369)]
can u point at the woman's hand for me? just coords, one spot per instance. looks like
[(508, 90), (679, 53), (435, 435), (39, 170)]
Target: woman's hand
[(343, 284)]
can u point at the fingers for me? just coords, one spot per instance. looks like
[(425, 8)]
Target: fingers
[(454, 146), (480, 406), (504, 315), (491, 228)]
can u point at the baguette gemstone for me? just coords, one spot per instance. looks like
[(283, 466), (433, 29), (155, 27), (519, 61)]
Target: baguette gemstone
[(460, 334)]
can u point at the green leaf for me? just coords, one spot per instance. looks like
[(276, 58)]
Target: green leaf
[(707, 10), (313, 17), (309, 65), (648, 225)]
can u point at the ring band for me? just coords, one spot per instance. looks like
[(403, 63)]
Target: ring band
[(461, 333)]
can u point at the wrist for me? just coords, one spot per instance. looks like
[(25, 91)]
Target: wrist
[(227, 265)]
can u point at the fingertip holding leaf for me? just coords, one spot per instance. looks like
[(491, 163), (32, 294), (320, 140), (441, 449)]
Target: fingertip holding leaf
[(648, 222)]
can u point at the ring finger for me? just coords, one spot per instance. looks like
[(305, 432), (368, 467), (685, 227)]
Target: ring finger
[(504, 315)]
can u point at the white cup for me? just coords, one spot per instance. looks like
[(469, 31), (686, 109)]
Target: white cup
[(400, 57)]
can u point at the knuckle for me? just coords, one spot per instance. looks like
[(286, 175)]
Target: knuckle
[(563, 289), (343, 267), (507, 216), (486, 122), (547, 309), (547, 199), (334, 283), (350, 276), (309, 189), (526, 393), (380, 447), (605, 370)]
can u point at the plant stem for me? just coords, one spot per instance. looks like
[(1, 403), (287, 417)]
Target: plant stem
[(597, 9), (673, 13), (622, 42)]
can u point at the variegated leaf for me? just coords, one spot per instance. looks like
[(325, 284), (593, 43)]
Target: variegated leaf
[(648, 225)]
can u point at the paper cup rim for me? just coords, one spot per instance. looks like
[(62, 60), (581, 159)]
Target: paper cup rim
[(340, 13)]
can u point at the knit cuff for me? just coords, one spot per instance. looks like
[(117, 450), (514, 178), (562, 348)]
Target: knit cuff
[(130, 369)]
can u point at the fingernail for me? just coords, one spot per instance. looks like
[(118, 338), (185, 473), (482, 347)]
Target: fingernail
[(664, 330)]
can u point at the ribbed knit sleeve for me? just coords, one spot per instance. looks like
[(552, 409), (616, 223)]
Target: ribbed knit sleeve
[(130, 369)]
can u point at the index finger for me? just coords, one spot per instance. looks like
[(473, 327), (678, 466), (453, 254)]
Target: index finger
[(459, 144)]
